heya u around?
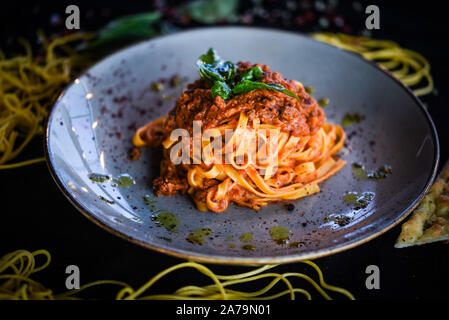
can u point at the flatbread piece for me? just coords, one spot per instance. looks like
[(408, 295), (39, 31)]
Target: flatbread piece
[(430, 220)]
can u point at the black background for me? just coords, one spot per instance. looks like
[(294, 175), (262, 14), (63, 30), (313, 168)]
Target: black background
[(34, 214)]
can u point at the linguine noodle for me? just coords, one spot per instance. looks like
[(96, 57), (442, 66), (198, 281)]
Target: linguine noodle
[(16, 269), (28, 87), (408, 66)]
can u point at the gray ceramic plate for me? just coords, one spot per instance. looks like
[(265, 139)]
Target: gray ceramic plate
[(91, 126)]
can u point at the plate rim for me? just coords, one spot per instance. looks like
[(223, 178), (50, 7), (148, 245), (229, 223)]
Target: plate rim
[(243, 260)]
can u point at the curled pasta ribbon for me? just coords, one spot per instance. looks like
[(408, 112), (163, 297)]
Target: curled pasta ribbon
[(281, 168), (144, 135), (408, 66), (16, 269)]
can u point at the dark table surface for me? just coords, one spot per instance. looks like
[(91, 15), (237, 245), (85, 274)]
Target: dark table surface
[(35, 214)]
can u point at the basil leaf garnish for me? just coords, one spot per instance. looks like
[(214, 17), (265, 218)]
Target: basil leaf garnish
[(211, 57), (248, 86), (209, 73), (221, 89), (255, 73), (222, 75), (213, 68), (228, 70)]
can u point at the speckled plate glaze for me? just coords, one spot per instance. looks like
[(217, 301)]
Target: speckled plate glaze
[(93, 121)]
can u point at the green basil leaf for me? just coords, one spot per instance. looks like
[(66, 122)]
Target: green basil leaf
[(221, 89), (228, 70), (209, 73), (213, 68), (255, 73), (289, 93), (221, 74), (211, 57), (248, 86)]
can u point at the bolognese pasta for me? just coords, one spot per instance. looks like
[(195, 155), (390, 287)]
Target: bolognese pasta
[(263, 138)]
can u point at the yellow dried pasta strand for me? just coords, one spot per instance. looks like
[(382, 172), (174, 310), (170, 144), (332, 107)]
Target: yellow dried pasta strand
[(27, 89), (414, 68), (17, 267)]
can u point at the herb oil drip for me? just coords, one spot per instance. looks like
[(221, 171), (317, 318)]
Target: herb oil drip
[(247, 237), (167, 220), (198, 236), (358, 200), (360, 173), (280, 234)]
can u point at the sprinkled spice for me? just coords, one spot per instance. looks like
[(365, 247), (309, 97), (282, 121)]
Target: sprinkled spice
[(279, 234), (358, 200), (197, 236), (167, 220)]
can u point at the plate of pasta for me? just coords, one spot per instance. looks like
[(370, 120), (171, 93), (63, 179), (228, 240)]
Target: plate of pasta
[(241, 146)]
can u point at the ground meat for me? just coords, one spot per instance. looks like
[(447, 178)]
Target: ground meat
[(172, 179), (238, 193), (169, 186), (300, 118), (134, 154)]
